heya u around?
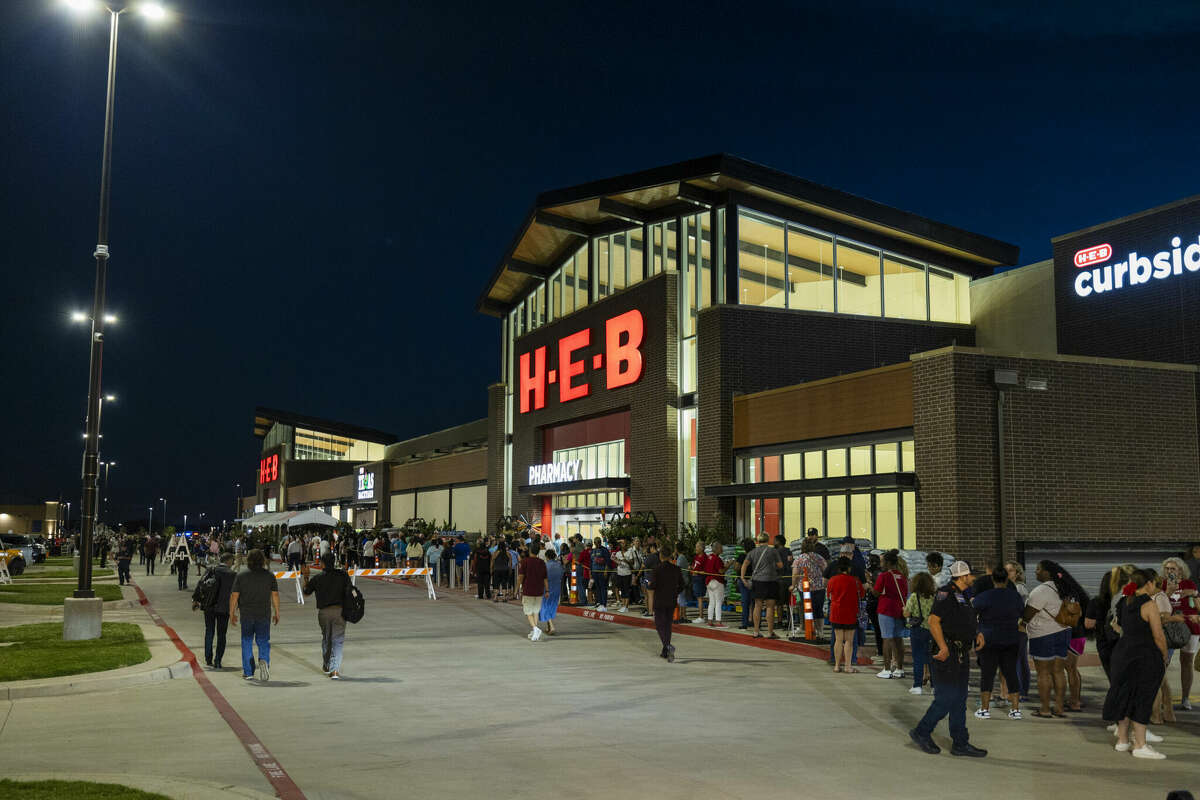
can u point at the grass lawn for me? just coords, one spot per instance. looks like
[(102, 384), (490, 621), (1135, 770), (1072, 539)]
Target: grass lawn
[(40, 652), (39, 572), (61, 561), (51, 594), (73, 790)]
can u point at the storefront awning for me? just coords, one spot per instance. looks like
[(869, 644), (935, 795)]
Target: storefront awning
[(887, 480), (578, 487), (312, 517)]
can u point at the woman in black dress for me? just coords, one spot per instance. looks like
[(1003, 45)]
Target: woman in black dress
[(1138, 664)]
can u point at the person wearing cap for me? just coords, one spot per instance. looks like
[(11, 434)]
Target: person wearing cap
[(813, 535), (952, 624)]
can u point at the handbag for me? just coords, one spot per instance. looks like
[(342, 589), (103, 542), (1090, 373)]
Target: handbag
[(915, 622), (1177, 635)]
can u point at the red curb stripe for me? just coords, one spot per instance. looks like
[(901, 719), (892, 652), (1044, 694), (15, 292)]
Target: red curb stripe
[(284, 786)]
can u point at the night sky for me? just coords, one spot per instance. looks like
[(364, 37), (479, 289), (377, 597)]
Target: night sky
[(308, 197)]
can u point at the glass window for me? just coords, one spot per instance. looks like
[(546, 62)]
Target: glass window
[(539, 307), (635, 256), (835, 515), (949, 296), (814, 464), (671, 246), (656, 248), (556, 295), (793, 466), (687, 285), (903, 288), (620, 251), (687, 366), (860, 460), (887, 521), (706, 262), (582, 284), (568, 277), (909, 515), (908, 462), (689, 511), (835, 463), (860, 517), (810, 270), (772, 466), (760, 261), (720, 265), (887, 458), (687, 441), (602, 263), (858, 279), (814, 513), (793, 517)]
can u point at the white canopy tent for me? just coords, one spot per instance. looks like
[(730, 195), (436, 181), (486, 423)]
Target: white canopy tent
[(268, 518), (313, 517)]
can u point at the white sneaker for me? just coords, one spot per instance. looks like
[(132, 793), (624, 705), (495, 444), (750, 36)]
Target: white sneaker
[(537, 634), (1148, 752), (529, 636), (698, 621), (1112, 729), (623, 609), (1151, 737), (264, 671), (982, 713), (1185, 705), (915, 690), (1015, 714), (897, 673), (887, 673), (1123, 748), (602, 608)]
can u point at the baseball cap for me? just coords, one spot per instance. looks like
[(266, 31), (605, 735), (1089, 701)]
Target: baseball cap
[(812, 532), (959, 568)]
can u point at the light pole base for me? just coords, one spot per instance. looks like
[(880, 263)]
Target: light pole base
[(81, 618)]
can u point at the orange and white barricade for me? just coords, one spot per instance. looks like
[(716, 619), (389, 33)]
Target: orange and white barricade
[(403, 572), (808, 606), (298, 577)]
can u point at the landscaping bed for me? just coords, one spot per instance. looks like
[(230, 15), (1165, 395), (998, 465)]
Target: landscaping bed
[(38, 651), (51, 594), (73, 790)]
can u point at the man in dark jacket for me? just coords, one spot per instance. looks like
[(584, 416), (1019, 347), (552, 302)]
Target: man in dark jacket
[(330, 588), (216, 616), (666, 581)]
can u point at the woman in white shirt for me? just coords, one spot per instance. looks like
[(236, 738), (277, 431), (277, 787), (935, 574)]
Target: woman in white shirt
[(1049, 640)]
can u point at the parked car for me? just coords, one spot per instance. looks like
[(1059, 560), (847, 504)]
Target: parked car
[(25, 547), (39, 551)]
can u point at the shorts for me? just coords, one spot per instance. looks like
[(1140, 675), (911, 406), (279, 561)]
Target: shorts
[(890, 627), (841, 626), (1048, 648), (698, 584), (764, 590), (1076, 645), (1193, 644), (531, 605), (624, 582)]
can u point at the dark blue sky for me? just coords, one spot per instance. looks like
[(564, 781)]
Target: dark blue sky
[(309, 196)]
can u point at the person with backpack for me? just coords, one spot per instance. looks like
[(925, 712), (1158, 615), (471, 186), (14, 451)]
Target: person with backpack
[(330, 588), (1054, 607), (212, 597)]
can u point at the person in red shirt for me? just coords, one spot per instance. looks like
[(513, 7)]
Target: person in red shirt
[(713, 567), (891, 587), (1181, 591), (699, 581), (844, 591), (534, 586)]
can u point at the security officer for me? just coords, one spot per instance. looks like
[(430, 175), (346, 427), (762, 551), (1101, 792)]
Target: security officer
[(952, 623)]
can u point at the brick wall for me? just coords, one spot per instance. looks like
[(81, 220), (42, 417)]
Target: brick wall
[(1108, 453), (495, 455), (652, 401), (746, 349)]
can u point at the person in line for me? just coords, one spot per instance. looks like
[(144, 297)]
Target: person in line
[(330, 588), (534, 588), (699, 580), (1139, 664), (601, 564), (1096, 615), (649, 562), (1181, 592), (844, 592), (666, 582), (1049, 636), (295, 553), (952, 625), (891, 587), (783, 583), (811, 563), (415, 552), (633, 556), (433, 559), (813, 537), (481, 570), (368, 554), (714, 571), (216, 616), (180, 566), (999, 609), (255, 594), (549, 607), (447, 561), (1016, 579), (761, 571), (462, 553), (501, 569), (151, 549), (1164, 711), (934, 564), (917, 609)]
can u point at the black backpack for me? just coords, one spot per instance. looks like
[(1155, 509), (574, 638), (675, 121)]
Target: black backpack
[(206, 591), (354, 605)]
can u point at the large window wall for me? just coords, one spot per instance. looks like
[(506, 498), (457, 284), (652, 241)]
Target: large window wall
[(785, 265), (310, 445), (886, 517)]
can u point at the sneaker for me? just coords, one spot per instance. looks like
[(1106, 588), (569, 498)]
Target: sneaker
[(887, 673), (602, 608), (983, 713), (335, 675), (623, 609), (1148, 752), (968, 750), (247, 677), (537, 634), (529, 636), (698, 621), (915, 690), (264, 671), (1151, 737), (1185, 705), (1123, 748), (897, 673), (924, 742), (1015, 714)]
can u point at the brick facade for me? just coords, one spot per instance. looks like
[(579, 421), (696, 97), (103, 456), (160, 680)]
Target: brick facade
[(745, 349), (1108, 453)]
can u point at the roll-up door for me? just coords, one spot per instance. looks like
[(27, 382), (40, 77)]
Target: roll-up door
[(1089, 565)]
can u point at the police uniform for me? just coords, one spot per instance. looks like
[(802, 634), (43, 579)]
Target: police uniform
[(952, 607)]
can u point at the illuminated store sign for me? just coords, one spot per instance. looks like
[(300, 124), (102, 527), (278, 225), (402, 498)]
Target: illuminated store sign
[(558, 472), (621, 361), (268, 469), (366, 484), (1136, 269)]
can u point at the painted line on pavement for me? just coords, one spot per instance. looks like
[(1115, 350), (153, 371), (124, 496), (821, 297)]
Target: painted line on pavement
[(274, 772)]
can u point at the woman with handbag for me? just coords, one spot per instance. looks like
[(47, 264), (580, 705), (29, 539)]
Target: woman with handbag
[(1051, 611), (916, 609), (1181, 591), (891, 587), (1176, 635)]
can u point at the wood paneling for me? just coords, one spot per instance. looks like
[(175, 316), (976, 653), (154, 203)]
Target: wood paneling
[(874, 400)]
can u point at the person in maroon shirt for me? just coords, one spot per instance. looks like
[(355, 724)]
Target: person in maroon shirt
[(891, 587), (713, 568), (533, 588)]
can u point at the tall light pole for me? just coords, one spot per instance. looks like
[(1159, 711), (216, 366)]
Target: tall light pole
[(237, 507), (107, 466), (91, 449), (164, 502), (185, 522), (151, 531)]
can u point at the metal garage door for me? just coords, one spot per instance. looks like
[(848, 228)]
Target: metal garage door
[(1089, 565)]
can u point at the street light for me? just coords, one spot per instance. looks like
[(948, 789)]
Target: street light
[(164, 502), (107, 466), (151, 531), (91, 450)]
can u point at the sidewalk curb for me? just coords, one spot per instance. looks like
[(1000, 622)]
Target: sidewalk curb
[(172, 787)]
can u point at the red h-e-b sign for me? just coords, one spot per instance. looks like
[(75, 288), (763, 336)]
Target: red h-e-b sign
[(621, 359), (268, 469)]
